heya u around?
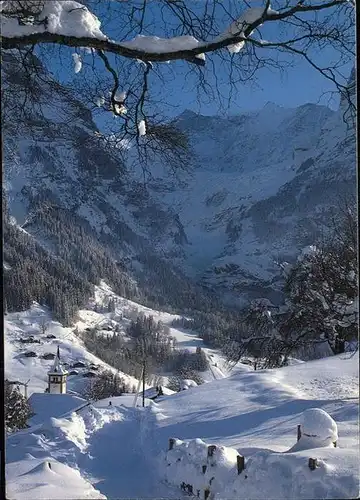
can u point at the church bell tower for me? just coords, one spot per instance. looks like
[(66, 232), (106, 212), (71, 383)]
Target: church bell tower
[(57, 376)]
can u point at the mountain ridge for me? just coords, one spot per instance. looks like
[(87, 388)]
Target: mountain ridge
[(257, 191), (264, 184)]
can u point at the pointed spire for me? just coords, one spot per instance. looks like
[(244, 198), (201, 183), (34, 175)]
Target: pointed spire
[(57, 368)]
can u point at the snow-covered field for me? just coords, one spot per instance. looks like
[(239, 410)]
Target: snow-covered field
[(121, 451), (118, 451)]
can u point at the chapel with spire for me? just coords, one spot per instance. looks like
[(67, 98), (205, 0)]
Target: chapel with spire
[(57, 376)]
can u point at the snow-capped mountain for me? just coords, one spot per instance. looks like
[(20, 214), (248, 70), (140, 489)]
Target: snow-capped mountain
[(57, 155), (260, 188)]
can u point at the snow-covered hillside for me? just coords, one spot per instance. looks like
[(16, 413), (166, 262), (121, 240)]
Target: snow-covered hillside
[(121, 451), (34, 370), (30, 323), (126, 310)]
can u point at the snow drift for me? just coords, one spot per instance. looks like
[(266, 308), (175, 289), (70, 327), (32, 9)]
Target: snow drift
[(221, 472)]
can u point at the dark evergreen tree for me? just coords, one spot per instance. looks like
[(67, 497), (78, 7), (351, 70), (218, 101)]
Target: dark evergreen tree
[(106, 385), (17, 409)]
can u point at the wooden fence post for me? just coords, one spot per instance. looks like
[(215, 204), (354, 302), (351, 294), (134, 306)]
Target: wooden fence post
[(313, 463), (206, 493), (171, 443), (240, 462), (211, 461), (211, 450), (298, 432)]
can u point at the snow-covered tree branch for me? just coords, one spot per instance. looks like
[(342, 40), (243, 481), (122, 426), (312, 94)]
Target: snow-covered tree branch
[(71, 23), (322, 286)]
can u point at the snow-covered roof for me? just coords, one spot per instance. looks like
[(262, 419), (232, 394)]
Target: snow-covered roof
[(152, 392), (167, 392), (187, 383), (47, 405), (57, 368)]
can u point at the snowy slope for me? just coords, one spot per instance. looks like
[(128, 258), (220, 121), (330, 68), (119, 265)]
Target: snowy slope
[(62, 159), (129, 309), (55, 162), (46, 479), (254, 413), (257, 413), (126, 310), (17, 367), (253, 403), (22, 325)]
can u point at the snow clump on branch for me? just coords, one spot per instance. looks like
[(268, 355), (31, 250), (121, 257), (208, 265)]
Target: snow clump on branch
[(66, 17), (77, 62), (237, 28), (142, 128)]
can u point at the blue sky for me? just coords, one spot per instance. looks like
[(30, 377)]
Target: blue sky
[(299, 84)]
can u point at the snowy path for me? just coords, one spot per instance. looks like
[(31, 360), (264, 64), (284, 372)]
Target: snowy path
[(117, 460), (111, 448)]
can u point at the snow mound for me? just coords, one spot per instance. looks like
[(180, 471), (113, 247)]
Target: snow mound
[(318, 430), (195, 466), (288, 476), (48, 480), (78, 427), (316, 423), (33, 470), (41, 467)]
